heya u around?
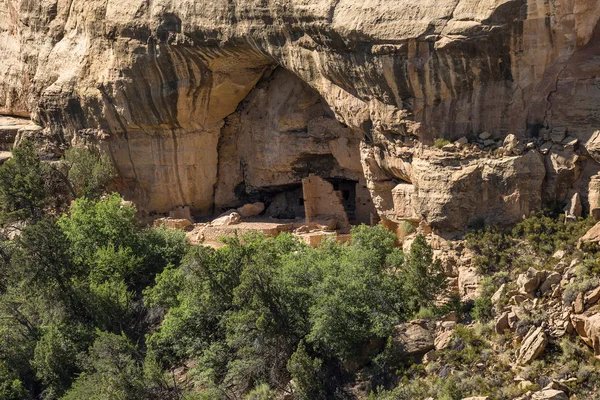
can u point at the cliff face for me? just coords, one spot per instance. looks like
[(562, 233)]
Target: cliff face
[(208, 103)]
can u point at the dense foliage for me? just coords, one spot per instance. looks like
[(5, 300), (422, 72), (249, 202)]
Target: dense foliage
[(264, 310), (94, 306)]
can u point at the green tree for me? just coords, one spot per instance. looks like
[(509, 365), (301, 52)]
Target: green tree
[(307, 375), (422, 276), (55, 356), (11, 387), (92, 225), (43, 268), (357, 295), (87, 171), (23, 194), (112, 371)]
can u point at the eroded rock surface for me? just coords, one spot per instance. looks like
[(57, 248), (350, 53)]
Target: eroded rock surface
[(216, 104)]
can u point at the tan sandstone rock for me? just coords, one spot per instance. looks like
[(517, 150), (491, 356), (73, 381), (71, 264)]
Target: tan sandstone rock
[(532, 346), (414, 338), (468, 283), (251, 209), (173, 223), (592, 296), (550, 394), (501, 323), (594, 196), (552, 279), (592, 236), (322, 201), (230, 218), (206, 104), (530, 280), (587, 326), (573, 209)]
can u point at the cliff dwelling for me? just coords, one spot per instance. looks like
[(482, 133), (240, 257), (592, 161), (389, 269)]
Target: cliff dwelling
[(214, 108), (467, 131)]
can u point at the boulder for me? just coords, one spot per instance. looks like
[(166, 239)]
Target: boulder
[(519, 298), (450, 197), (450, 317), (450, 147), (562, 169), (512, 320), (510, 143), (593, 146), (5, 156), (462, 141), (501, 323), (587, 326), (485, 135), (497, 296), (573, 209), (430, 356), (592, 236), (569, 142), (468, 283), (414, 338), (443, 339), (558, 134), (594, 196), (229, 218), (532, 346), (552, 279), (448, 325), (550, 394), (545, 148), (593, 296), (559, 254), (530, 280), (251, 209), (579, 304), (557, 386)]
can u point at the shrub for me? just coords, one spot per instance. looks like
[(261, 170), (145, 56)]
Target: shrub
[(440, 142), (546, 234), (112, 371), (586, 278), (23, 194), (261, 392), (483, 307), (88, 172), (466, 347), (494, 249), (306, 373), (11, 387)]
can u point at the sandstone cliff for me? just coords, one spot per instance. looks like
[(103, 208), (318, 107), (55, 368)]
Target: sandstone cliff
[(212, 103)]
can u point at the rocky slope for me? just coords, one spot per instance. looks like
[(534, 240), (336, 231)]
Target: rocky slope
[(213, 103)]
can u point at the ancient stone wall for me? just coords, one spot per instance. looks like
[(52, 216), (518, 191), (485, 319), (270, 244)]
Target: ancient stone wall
[(322, 202)]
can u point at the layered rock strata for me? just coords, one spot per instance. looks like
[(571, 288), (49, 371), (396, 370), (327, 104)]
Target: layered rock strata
[(184, 97)]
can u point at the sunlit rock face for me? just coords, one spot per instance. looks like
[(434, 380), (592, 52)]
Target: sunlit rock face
[(210, 103)]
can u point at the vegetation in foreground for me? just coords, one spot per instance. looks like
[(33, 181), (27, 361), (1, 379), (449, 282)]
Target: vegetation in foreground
[(94, 306)]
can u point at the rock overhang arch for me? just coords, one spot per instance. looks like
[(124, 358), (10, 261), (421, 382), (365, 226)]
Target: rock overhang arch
[(379, 74)]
